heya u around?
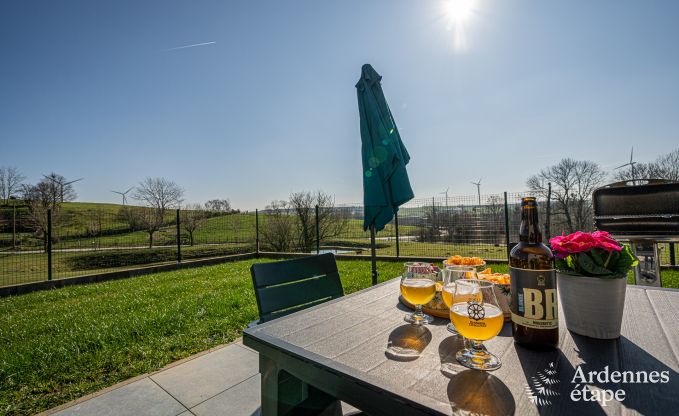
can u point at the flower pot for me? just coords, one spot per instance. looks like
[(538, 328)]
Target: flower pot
[(592, 306)]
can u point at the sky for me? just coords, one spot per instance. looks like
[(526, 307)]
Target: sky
[(265, 102)]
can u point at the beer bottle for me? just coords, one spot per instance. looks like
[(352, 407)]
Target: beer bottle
[(534, 303)]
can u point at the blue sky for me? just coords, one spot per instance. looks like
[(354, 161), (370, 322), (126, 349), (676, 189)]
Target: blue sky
[(91, 89)]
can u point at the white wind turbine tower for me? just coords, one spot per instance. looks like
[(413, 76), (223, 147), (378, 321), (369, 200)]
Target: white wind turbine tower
[(123, 194), (61, 183), (478, 189), (446, 193), (630, 163)]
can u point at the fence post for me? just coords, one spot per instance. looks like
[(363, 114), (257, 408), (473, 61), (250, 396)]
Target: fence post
[(256, 233), (507, 225), (548, 228), (14, 227), (318, 233), (179, 239), (49, 244), (673, 260), (398, 250)]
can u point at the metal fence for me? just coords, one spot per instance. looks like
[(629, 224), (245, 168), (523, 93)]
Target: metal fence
[(93, 238), (47, 244)]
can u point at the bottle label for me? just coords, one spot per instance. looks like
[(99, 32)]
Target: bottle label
[(534, 299)]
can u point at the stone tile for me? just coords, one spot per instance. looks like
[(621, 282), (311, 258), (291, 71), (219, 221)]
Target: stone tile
[(240, 400), (204, 377), (142, 397), (240, 344)]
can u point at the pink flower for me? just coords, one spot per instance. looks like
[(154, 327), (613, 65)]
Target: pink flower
[(579, 242)]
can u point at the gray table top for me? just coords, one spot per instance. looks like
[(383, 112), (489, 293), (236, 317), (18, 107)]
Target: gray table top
[(350, 336)]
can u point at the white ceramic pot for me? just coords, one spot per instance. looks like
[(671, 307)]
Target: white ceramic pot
[(592, 306)]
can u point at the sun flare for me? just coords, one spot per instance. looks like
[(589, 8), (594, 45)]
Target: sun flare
[(458, 10)]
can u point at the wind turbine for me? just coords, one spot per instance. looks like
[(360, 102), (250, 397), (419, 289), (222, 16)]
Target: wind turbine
[(478, 189), (123, 194), (445, 192), (631, 163), (61, 183)]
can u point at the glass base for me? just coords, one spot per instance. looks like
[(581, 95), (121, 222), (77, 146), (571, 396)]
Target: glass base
[(478, 359), (418, 318)]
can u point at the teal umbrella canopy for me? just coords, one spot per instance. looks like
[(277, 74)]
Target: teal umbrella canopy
[(385, 179)]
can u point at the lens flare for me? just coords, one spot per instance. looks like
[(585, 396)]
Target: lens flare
[(459, 10), (457, 13)]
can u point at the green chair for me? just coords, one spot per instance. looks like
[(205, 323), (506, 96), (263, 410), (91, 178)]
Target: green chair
[(284, 287), (281, 288)]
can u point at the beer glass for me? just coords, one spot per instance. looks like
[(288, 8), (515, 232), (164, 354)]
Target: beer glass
[(478, 317), (418, 287), (450, 275)]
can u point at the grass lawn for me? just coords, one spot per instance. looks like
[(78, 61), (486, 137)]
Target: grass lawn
[(61, 344)]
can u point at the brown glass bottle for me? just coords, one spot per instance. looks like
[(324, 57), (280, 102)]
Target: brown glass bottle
[(533, 283)]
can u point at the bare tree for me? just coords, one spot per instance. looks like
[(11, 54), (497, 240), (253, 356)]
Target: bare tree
[(41, 198), (193, 216), (278, 230), (63, 190), (144, 218), (331, 222), (572, 184), (664, 167), (667, 166), (10, 182), (220, 205), (641, 171), (159, 194)]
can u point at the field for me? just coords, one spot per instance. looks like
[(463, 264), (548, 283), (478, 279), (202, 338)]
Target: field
[(61, 344), (91, 238)]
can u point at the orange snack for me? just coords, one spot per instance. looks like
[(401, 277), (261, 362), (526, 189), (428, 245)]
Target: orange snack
[(497, 278), (464, 261)]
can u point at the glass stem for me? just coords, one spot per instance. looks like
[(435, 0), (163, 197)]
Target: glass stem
[(476, 346), (418, 310)]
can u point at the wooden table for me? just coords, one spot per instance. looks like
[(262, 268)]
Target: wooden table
[(343, 348)]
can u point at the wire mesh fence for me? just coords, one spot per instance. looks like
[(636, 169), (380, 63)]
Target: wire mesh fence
[(94, 238), (79, 239)]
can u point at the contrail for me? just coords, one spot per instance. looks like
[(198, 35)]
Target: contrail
[(191, 46)]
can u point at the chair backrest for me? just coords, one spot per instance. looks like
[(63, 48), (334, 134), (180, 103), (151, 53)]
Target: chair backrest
[(284, 287)]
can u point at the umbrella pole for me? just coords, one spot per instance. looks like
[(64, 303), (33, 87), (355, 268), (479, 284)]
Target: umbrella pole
[(372, 253)]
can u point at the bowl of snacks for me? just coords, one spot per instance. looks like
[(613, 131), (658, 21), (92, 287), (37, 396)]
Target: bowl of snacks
[(502, 289), (476, 262)]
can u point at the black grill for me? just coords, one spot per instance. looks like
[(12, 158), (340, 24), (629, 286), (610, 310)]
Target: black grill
[(645, 208)]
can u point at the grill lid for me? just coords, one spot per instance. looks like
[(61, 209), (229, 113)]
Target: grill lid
[(641, 207)]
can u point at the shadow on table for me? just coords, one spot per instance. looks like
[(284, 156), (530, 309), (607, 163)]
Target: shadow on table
[(447, 350), (506, 330), (407, 342), (645, 398), (480, 393)]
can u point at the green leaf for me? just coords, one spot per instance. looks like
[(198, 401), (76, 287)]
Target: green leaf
[(590, 268), (599, 256), (624, 261), (561, 264)]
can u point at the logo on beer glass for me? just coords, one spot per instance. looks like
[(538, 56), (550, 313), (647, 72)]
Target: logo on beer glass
[(475, 311)]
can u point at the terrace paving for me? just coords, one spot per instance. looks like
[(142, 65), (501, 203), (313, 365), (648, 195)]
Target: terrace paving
[(221, 381), (224, 380)]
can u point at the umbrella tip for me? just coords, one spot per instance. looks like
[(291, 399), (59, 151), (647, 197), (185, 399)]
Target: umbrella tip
[(369, 72)]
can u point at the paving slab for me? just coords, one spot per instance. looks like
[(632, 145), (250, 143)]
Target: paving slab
[(240, 400), (202, 378), (143, 397)]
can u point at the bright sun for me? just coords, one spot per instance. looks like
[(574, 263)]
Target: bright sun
[(458, 10)]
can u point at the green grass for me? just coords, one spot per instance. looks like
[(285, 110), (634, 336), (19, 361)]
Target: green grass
[(62, 344)]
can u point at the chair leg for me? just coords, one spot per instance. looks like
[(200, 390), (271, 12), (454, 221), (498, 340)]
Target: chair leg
[(284, 394)]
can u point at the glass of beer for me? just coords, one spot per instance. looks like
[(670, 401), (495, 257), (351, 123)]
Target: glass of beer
[(478, 317), (450, 275), (418, 287)]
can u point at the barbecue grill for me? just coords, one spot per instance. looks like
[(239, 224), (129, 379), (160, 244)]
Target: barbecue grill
[(643, 212)]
